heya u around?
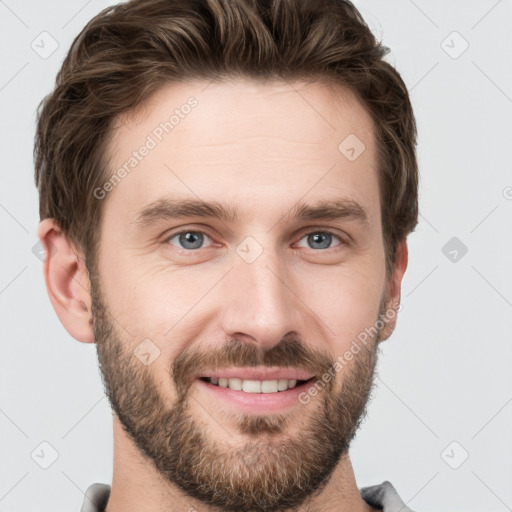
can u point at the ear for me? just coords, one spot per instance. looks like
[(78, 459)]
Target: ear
[(393, 290), (67, 281)]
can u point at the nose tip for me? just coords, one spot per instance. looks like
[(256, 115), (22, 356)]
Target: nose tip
[(260, 308)]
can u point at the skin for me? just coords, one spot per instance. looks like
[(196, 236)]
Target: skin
[(259, 148)]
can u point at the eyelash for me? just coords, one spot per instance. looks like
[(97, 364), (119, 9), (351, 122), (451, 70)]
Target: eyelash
[(316, 231)]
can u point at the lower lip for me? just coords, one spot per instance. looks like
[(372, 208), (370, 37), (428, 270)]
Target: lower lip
[(256, 402)]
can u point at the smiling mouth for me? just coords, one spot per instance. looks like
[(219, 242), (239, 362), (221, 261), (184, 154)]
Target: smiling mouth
[(255, 386)]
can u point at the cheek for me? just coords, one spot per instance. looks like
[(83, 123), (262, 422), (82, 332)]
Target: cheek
[(155, 301), (347, 300)]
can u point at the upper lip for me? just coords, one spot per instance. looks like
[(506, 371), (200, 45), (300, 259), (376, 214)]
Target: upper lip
[(257, 373)]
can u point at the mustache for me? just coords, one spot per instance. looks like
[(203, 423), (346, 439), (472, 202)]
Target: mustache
[(289, 352)]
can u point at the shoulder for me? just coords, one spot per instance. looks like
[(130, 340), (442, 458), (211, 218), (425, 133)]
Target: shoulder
[(385, 497), (95, 498)]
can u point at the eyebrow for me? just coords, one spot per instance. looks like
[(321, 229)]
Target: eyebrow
[(168, 209)]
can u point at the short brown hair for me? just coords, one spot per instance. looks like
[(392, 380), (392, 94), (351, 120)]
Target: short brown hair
[(128, 51)]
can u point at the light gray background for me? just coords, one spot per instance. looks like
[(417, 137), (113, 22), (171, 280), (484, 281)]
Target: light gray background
[(444, 376)]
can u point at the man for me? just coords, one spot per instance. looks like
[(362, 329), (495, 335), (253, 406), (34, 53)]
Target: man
[(226, 192)]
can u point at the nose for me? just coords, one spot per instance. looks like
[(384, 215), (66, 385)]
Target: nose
[(259, 305)]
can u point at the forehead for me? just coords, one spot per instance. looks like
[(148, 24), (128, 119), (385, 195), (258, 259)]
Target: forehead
[(249, 142)]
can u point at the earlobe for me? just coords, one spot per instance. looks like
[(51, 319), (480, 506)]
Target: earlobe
[(393, 291), (67, 281)]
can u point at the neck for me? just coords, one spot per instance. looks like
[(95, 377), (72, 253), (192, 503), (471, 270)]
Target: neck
[(137, 485)]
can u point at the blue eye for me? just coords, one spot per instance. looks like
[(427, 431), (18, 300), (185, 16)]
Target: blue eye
[(321, 239), (192, 240), (189, 239)]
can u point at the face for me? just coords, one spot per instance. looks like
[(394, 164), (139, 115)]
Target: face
[(241, 260)]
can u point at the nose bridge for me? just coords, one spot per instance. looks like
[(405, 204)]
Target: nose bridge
[(259, 305)]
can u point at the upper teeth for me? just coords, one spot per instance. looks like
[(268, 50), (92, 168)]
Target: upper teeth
[(255, 386)]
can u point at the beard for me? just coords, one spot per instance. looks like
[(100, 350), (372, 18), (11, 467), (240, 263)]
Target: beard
[(271, 470)]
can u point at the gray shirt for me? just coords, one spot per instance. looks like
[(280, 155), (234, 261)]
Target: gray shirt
[(383, 496)]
